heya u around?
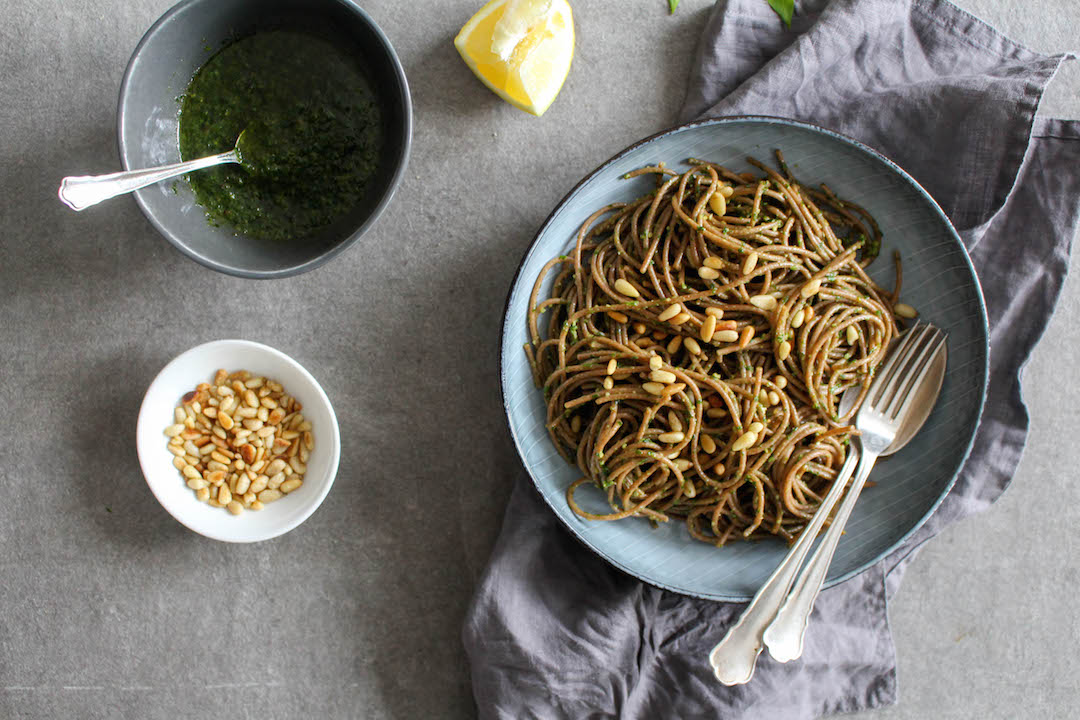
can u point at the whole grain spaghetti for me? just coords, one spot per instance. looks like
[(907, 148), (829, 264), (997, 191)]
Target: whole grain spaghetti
[(696, 343)]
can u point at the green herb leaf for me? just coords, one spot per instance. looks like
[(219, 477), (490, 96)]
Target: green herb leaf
[(784, 8), (672, 4)]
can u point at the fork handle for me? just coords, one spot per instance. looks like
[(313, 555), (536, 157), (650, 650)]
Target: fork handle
[(733, 659), (784, 637)]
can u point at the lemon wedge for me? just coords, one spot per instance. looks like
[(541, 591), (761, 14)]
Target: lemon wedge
[(521, 49)]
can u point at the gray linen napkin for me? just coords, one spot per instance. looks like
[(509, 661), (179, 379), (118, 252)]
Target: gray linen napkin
[(554, 632)]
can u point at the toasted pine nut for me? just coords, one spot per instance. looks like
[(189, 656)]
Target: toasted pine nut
[(715, 312), (658, 335), (640, 328), (225, 420), (174, 430), (235, 508), (674, 345), (765, 302), (197, 483), (774, 397), (797, 318), (617, 316), (248, 498), (727, 191), (746, 336), (225, 391), (275, 467), (808, 313), (781, 382), (679, 319), (783, 351), (707, 273), (708, 328), (756, 427), (256, 505), (611, 365), (190, 472), (269, 496), (692, 345), (275, 416), (663, 376), (291, 484), (726, 336), (749, 263), (716, 412), (253, 424), (624, 287), (852, 334), (671, 311), (575, 424), (653, 388), (269, 403), (179, 451), (259, 484), (297, 465), (671, 438), (224, 496), (905, 311), (243, 484), (708, 444), (608, 384), (718, 204), (202, 494), (673, 421), (745, 440), (179, 463), (262, 414), (682, 463), (255, 382), (811, 288), (713, 262)]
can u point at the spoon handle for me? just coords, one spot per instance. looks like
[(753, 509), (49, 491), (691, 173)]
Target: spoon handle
[(79, 193), (734, 657), (784, 637)]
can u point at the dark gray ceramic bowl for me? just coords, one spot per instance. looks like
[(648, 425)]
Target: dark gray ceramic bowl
[(158, 73)]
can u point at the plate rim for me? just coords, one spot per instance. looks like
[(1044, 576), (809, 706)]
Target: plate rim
[(735, 120)]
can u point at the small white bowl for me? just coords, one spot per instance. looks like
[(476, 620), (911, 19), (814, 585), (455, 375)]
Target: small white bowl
[(198, 365)]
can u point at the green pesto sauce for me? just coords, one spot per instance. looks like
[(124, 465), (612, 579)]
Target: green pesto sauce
[(312, 134)]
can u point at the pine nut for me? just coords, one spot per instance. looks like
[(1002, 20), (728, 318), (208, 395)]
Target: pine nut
[(291, 484), (275, 467), (765, 302), (262, 414), (224, 496), (708, 444), (714, 312), (179, 463), (275, 416), (674, 422), (745, 440), (190, 472), (255, 382), (716, 413), (202, 494), (243, 483), (268, 403), (617, 316), (708, 328), (808, 313), (175, 450), (749, 263), (746, 336), (783, 351), (297, 465), (624, 287), (269, 496), (905, 311), (575, 424), (797, 318), (663, 376), (612, 364), (225, 391), (265, 431), (726, 336), (756, 427), (210, 412), (674, 345), (256, 505), (225, 420), (679, 319), (707, 273), (275, 482), (246, 413), (671, 311), (774, 397), (608, 384), (671, 437), (714, 262), (683, 464), (197, 483), (253, 424), (727, 191), (174, 430), (227, 405), (653, 388), (260, 483), (718, 204), (248, 498), (852, 334), (659, 335), (781, 382), (811, 288)]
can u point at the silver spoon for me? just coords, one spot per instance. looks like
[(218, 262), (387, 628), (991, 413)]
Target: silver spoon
[(734, 658), (80, 192)]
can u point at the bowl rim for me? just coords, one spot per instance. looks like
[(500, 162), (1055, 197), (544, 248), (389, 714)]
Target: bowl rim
[(734, 120), (145, 463), (401, 160)]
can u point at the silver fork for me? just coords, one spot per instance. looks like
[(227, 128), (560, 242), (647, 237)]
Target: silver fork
[(887, 403)]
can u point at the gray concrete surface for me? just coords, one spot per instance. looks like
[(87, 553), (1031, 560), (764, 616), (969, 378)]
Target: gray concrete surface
[(109, 608)]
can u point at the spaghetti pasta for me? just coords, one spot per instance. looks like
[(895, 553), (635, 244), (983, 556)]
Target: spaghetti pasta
[(697, 341)]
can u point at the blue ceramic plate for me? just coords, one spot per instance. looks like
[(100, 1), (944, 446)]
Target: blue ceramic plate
[(938, 280)]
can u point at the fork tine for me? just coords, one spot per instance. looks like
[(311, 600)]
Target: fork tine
[(885, 382), (920, 367), (903, 369)]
